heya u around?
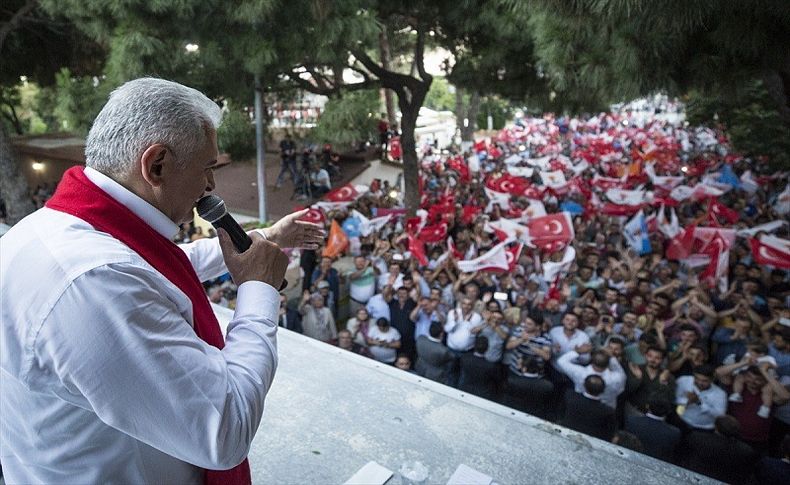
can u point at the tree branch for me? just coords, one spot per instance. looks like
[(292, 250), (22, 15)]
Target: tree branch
[(419, 55), (16, 19), (327, 90)]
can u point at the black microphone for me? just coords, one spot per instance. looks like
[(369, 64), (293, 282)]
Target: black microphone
[(212, 209)]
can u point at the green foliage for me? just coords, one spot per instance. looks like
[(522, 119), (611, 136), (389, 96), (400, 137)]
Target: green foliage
[(349, 119), (77, 101), (752, 121), (236, 135), (439, 97), (500, 110)]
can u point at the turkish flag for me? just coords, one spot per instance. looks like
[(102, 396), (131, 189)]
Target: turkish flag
[(414, 224), (512, 254), (771, 251), (507, 183), (417, 249), (337, 242), (611, 209), (314, 215), (459, 165), (721, 211), (533, 192), (451, 248), (434, 233), (718, 251), (480, 146), (469, 213), (395, 150), (680, 245), (346, 193), (606, 182), (442, 210), (550, 232)]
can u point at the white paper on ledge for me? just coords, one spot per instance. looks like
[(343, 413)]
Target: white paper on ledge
[(465, 475), (370, 474)]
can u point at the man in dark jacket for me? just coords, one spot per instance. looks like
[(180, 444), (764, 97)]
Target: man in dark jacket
[(288, 317), (586, 413), (530, 392), (400, 319), (721, 454), (434, 359), (479, 376), (658, 437)]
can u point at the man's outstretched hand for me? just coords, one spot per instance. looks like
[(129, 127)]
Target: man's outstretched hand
[(289, 232)]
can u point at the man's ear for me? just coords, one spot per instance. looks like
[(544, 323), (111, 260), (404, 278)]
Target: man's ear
[(152, 163)]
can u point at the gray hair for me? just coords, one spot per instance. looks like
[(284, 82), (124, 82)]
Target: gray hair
[(143, 112)]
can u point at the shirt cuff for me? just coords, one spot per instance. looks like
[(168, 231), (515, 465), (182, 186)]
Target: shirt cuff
[(257, 300)]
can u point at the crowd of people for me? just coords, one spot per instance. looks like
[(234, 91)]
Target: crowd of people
[(624, 276)]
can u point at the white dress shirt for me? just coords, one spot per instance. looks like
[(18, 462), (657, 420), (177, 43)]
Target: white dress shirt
[(712, 403), (103, 378), (459, 329), (613, 377), (565, 343)]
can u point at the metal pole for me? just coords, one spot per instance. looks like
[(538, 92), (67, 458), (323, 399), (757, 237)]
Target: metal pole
[(260, 150)]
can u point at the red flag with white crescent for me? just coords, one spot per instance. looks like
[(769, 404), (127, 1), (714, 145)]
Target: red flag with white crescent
[(680, 245), (771, 251), (346, 193), (314, 215), (719, 251), (417, 249), (611, 209), (721, 211), (551, 232), (513, 253), (434, 233), (451, 247)]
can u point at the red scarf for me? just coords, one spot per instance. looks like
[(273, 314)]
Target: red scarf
[(78, 196)]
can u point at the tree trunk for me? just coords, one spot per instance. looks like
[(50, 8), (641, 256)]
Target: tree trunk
[(389, 100), (410, 103), (13, 186), (468, 112), (778, 86), (471, 113)]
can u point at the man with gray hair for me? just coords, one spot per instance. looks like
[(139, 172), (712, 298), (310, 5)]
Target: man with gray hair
[(113, 365)]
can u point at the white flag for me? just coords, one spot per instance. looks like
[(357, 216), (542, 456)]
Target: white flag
[(767, 227), (521, 171), (512, 228), (369, 226), (495, 259), (681, 192), (748, 183), (635, 233), (495, 197), (542, 163), (669, 229), (782, 206), (555, 179), (533, 210), (627, 197), (551, 269)]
